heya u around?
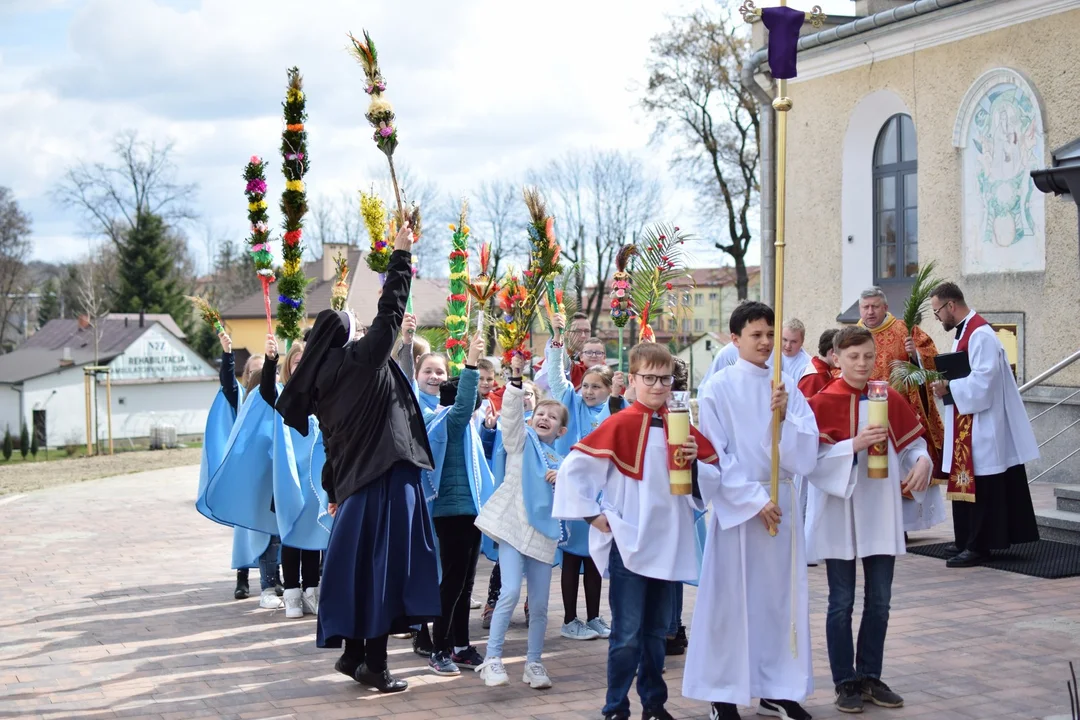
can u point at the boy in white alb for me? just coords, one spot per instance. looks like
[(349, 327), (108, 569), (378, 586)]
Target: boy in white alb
[(851, 516), (750, 635), (640, 532)]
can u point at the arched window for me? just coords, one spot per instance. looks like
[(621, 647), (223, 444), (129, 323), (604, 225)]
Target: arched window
[(896, 213)]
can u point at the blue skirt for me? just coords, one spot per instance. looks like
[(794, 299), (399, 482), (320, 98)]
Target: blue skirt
[(381, 572)]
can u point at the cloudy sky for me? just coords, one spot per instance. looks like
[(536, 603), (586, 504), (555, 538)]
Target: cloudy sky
[(484, 89)]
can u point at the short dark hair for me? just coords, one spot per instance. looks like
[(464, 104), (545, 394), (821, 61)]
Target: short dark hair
[(851, 336), (825, 342), (580, 316), (948, 291), (748, 312)]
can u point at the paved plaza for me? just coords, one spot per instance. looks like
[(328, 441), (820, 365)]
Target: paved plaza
[(116, 601)]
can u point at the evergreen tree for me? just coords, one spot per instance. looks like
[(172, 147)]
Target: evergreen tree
[(70, 302), (148, 281), (9, 444), (49, 307), (24, 441), (34, 445)]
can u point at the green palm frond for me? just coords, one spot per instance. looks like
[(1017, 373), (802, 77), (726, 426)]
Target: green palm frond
[(905, 375), (660, 261), (915, 305)]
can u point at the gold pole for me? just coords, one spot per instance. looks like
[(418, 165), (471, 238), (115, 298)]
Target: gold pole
[(108, 406), (782, 104)]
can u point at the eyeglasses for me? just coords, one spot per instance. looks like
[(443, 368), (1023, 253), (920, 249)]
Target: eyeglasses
[(593, 353), (650, 380), (943, 306)]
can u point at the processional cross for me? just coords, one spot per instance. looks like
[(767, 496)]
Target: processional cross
[(784, 24)]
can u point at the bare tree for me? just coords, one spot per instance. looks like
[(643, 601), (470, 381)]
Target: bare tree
[(15, 246), (565, 187), (321, 221), (93, 301), (498, 217), (140, 182), (695, 93)]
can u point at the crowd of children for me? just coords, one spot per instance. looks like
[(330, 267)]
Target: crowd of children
[(577, 478)]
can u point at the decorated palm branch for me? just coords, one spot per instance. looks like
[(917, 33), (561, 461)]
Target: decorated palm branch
[(516, 309), (622, 307), (904, 376), (259, 240), (457, 305), (292, 284), (915, 306), (484, 286), (208, 313), (380, 112), (544, 250), (373, 212), (339, 293), (658, 262)]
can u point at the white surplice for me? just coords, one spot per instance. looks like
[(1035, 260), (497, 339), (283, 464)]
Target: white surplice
[(753, 592), (849, 515), (654, 530), (926, 510), (1001, 435)]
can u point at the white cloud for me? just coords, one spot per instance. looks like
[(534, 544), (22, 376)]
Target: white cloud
[(483, 88)]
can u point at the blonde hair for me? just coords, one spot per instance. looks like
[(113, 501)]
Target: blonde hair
[(286, 367), (796, 325), (564, 414), (251, 378)]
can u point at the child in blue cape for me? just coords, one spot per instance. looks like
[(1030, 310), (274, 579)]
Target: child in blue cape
[(300, 502), (456, 489), (518, 517), (599, 396), (250, 548)]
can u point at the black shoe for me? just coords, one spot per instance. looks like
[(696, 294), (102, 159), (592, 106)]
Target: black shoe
[(242, 591), (680, 636), (468, 658), (672, 646), (658, 714), (723, 711), (968, 558), (421, 643), (951, 550), (782, 709), (616, 716), (383, 681), (348, 666), (849, 697), (279, 589), (879, 693)]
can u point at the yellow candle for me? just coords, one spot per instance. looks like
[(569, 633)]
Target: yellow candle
[(678, 430), (877, 463)]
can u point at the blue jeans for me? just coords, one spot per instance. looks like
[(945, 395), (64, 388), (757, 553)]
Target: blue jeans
[(676, 609), (268, 564), (846, 664), (515, 568), (640, 615)]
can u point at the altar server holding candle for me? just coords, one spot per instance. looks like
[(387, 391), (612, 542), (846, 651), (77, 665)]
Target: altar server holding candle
[(854, 513)]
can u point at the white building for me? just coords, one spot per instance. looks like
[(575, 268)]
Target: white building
[(698, 356), (156, 380)]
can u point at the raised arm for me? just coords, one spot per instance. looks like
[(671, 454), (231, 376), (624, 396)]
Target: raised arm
[(377, 345), (406, 359), (228, 372), (461, 413), (513, 409), (554, 355), (268, 380)]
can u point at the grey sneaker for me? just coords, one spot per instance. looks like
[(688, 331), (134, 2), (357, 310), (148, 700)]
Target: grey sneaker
[(849, 697), (441, 664), (601, 628), (577, 630), (879, 694)]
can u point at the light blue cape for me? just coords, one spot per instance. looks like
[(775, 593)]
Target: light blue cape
[(300, 503)]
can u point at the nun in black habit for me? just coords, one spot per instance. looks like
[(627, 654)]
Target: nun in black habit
[(380, 575)]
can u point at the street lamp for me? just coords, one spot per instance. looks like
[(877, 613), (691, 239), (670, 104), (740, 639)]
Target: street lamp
[(1062, 178)]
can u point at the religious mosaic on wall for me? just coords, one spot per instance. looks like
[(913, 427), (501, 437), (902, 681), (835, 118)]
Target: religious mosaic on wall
[(1001, 136)]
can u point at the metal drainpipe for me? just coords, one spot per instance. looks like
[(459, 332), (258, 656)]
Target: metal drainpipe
[(807, 42)]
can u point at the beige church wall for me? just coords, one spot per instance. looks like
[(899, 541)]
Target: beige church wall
[(824, 269)]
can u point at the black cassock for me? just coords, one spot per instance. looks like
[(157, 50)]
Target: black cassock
[(380, 574)]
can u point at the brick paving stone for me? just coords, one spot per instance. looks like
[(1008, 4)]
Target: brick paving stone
[(118, 604)]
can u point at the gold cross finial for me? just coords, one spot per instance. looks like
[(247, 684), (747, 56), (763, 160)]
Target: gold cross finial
[(751, 14)]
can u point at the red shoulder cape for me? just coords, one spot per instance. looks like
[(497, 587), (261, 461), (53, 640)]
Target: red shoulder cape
[(622, 440), (837, 411), (811, 384)]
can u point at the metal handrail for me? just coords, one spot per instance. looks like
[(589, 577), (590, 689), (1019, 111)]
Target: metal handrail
[(1077, 450), (1061, 432), (1062, 401), (1039, 379)]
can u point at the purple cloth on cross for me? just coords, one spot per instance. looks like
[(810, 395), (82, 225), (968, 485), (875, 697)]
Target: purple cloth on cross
[(784, 24)]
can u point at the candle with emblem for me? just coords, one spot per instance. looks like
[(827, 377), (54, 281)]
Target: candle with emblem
[(678, 430), (877, 463)]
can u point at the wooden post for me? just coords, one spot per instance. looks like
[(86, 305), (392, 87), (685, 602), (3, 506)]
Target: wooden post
[(89, 415), (108, 406)]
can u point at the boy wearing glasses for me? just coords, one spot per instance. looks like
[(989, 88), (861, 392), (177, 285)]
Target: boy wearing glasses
[(750, 636), (640, 532)]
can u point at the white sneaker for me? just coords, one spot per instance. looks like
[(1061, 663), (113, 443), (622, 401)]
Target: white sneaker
[(294, 603), (493, 672), (536, 676), (310, 601), (600, 627), (577, 630), (473, 604), (269, 600)]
